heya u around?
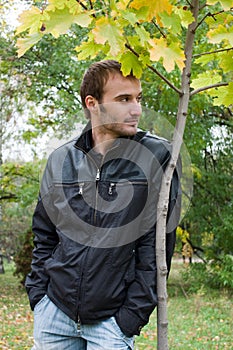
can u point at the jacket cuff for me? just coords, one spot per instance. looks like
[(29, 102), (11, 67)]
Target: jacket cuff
[(129, 323)]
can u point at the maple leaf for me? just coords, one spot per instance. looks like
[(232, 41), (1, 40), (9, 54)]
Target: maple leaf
[(56, 4), (25, 44), (106, 30), (61, 20), (61, 4), (130, 62), (206, 79), (226, 4), (223, 95), (155, 7), (88, 49), (221, 33), (143, 35), (226, 61), (31, 19), (122, 5), (169, 54)]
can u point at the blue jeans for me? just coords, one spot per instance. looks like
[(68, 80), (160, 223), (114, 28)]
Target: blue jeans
[(54, 330)]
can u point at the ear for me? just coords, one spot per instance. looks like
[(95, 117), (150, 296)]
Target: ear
[(91, 104)]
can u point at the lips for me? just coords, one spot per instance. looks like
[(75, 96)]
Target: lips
[(131, 121)]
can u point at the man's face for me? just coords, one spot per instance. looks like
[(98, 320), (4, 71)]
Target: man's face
[(120, 108)]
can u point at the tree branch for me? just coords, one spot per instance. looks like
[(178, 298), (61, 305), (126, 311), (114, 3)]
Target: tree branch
[(159, 29), (165, 79), (194, 92), (209, 14), (82, 5), (156, 72), (212, 52), (91, 4), (8, 196)]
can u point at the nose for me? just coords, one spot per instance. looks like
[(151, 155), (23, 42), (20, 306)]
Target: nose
[(136, 108)]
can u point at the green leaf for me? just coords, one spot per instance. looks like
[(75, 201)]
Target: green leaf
[(223, 95), (205, 59), (186, 16), (88, 49), (226, 61), (171, 21), (129, 62), (143, 35), (129, 16), (206, 79), (107, 30), (61, 20), (221, 33)]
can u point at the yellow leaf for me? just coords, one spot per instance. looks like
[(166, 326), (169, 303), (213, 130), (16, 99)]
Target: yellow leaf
[(223, 96), (56, 4), (107, 30), (31, 19), (25, 44), (169, 54), (226, 4), (122, 5), (73, 5), (206, 79), (61, 20), (221, 33), (155, 7)]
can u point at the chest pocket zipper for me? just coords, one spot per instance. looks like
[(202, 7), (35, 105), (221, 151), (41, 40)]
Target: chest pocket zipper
[(112, 185)]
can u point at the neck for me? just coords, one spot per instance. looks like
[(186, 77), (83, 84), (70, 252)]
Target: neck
[(101, 141)]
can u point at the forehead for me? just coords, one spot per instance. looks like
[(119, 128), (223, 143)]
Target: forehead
[(118, 84)]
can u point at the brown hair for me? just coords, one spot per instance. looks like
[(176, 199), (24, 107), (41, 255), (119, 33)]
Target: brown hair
[(95, 79)]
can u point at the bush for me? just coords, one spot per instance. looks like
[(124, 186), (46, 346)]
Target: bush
[(23, 257), (222, 272), (194, 277), (215, 274)]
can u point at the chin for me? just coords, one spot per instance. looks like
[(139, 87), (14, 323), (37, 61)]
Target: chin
[(130, 131)]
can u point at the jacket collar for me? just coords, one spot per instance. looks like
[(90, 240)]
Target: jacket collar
[(84, 142)]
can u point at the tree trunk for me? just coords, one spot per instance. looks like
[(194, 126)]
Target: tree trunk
[(162, 320)]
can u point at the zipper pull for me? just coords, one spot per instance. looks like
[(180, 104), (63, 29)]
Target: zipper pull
[(111, 186), (97, 175), (80, 190), (79, 326)]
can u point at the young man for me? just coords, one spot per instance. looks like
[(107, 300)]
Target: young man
[(93, 279)]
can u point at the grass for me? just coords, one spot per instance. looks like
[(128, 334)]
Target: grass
[(201, 321)]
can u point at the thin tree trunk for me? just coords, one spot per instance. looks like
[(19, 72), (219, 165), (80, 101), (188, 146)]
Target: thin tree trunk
[(162, 320)]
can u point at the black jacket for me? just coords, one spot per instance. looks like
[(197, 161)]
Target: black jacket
[(94, 227)]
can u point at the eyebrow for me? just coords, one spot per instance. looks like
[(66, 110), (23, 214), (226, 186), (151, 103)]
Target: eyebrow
[(126, 95)]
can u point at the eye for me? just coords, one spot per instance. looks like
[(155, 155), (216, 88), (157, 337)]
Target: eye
[(125, 99)]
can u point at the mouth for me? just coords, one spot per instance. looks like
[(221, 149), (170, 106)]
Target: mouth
[(132, 122)]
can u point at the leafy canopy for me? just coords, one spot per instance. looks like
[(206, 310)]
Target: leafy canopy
[(141, 34)]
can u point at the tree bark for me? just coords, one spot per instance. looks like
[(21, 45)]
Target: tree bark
[(162, 320)]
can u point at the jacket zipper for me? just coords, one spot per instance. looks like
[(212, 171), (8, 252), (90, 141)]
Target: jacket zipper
[(113, 184), (97, 178), (79, 326)]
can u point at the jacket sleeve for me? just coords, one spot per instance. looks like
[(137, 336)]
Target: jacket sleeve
[(141, 297), (142, 293), (45, 240)]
